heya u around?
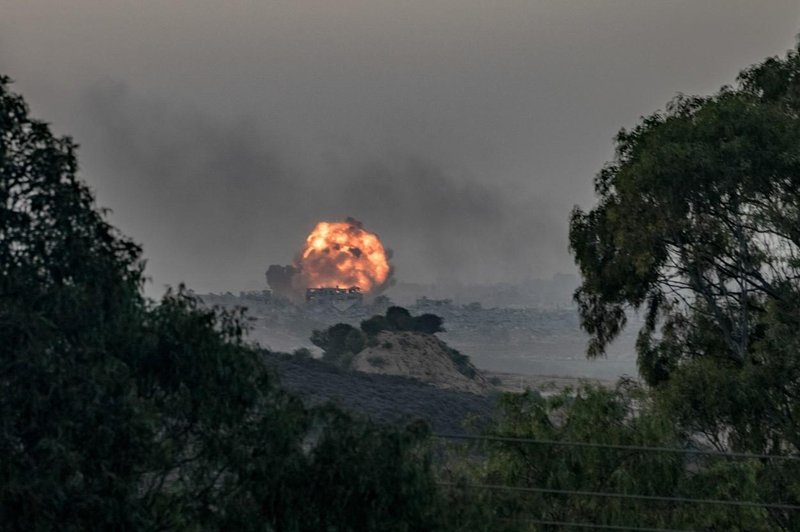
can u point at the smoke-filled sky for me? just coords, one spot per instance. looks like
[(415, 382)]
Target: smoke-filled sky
[(461, 131)]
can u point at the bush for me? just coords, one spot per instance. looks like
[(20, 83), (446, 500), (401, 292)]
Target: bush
[(375, 324), (399, 319), (339, 343), (428, 324), (462, 363)]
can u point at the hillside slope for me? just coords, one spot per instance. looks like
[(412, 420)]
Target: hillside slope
[(423, 357), (382, 398)]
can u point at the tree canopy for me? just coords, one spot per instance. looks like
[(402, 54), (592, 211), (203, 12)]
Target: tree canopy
[(118, 412), (697, 227), (698, 222)]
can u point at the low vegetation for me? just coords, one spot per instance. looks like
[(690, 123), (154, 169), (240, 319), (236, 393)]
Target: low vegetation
[(386, 399), (341, 342)]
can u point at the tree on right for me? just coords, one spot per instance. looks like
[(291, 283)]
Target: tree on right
[(697, 227)]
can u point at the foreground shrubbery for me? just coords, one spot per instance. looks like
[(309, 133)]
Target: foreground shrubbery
[(626, 416), (121, 413)]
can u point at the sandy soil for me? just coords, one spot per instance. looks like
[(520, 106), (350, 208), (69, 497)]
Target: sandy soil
[(515, 382), (419, 356)]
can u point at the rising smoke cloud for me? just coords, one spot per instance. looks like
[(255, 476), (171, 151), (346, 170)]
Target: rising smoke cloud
[(215, 200), (507, 108)]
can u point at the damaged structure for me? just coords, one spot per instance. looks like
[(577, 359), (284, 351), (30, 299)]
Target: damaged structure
[(340, 298)]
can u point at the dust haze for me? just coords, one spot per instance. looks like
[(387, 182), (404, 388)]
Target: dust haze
[(460, 132), (227, 199)]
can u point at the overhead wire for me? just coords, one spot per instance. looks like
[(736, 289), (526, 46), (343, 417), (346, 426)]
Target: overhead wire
[(606, 494), (630, 496), (621, 447)]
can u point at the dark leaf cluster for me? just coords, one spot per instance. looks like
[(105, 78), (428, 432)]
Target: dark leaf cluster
[(342, 341), (121, 413)]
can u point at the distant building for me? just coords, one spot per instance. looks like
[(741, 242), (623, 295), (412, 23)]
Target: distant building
[(428, 303), (262, 296), (340, 298)]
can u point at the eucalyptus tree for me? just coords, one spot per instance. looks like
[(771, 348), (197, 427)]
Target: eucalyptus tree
[(697, 227), (698, 220)]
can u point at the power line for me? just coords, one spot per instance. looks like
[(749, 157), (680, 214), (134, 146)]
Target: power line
[(720, 502), (621, 447), (592, 525)]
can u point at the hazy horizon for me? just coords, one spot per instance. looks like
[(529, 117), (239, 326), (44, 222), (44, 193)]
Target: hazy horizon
[(461, 132)]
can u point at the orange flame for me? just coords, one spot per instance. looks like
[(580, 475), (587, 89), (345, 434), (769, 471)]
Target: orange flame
[(343, 254)]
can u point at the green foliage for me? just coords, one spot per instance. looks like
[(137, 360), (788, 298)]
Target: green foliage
[(339, 343), (122, 413), (625, 416), (400, 319), (355, 476), (697, 219), (428, 323), (372, 326), (389, 469), (69, 302), (698, 226), (462, 363)]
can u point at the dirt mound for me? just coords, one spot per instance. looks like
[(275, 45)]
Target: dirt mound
[(423, 357)]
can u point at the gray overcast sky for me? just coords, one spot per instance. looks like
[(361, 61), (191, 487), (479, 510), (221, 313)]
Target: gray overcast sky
[(461, 131)]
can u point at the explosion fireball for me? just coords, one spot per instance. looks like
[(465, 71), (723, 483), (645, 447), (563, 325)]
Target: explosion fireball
[(342, 254)]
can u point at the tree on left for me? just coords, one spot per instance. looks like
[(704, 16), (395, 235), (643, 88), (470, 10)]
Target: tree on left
[(117, 412)]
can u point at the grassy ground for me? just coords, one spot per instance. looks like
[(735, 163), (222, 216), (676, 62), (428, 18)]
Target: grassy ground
[(382, 398)]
